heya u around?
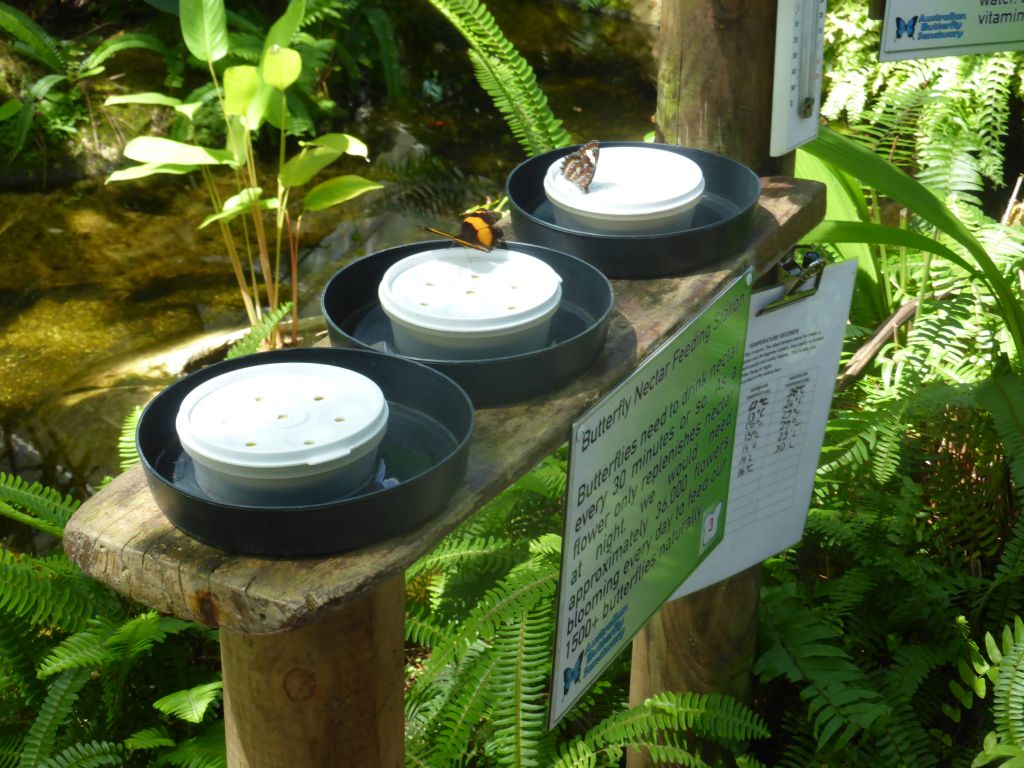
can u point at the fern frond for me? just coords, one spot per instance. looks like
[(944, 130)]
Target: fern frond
[(10, 750), (83, 650), (44, 47), (149, 738), (34, 504), (42, 735), (93, 754), (141, 633), (1003, 396), (519, 688), (32, 590), (259, 333), (191, 704), (204, 751), (127, 450), (506, 76)]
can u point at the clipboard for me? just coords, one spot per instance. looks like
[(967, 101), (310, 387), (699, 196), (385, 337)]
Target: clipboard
[(794, 339)]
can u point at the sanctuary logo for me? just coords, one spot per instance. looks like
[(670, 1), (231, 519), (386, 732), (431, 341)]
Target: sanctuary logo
[(905, 27)]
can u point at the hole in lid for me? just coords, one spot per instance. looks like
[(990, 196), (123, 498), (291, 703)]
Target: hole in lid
[(308, 442), (512, 307), (282, 416), (318, 397), (250, 445), (260, 398), (514, 287), (470, 292), (339, 418), (429, 285), (474, 277), (424, 304)]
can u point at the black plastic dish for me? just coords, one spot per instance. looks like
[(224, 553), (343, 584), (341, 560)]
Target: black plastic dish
[(354, 318), (720, 225), (422, 463)]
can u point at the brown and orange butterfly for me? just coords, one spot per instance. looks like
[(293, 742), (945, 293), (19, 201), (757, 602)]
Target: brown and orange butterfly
[(580, 166), (479, 230)]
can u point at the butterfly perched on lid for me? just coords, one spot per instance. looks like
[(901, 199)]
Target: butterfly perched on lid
[(479, 230), (580, 166)]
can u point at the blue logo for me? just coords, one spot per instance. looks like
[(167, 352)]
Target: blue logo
[(572, 675), (905, 27)]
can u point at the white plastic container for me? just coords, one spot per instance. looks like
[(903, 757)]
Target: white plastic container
[(283, 433), (636, 190), (464, 304)]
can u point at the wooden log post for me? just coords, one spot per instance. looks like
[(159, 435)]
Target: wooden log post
[(325, 694), (714, 93)]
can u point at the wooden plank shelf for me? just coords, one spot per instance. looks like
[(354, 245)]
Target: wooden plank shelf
[(121, 538)]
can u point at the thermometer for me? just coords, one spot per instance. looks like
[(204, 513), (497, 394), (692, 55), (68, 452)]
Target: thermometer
[(796, 92)]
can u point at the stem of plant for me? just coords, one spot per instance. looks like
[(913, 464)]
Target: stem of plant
[(229, 245)]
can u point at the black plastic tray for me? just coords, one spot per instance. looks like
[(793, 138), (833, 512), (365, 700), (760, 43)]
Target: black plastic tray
[(422, 463), (721, 221), (579, 328)]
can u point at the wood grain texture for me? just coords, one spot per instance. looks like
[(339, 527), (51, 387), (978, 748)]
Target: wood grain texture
[(121, 538), (326, 694), (717, 95)]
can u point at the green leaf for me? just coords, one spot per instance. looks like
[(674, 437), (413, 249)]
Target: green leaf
[(149, 169), (240, 85), (122, 42), (861, 232), (337, 190), (149, 738), (250, 343), (245, 201), (157, 99), (204, 28), (149, 97), (283, 30), (317, 155), (10, 108), (280, 67), (190, 704), (153, 149)]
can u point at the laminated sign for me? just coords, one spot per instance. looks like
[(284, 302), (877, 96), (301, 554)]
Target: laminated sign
[(917, 29), (647, 493)]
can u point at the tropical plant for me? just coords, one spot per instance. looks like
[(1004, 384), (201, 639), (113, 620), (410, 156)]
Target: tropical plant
[(79, 667), (66, 65), (247, 96)]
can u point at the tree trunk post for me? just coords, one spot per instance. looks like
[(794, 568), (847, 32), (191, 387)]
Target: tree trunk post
[(325, 694), (714, 93)]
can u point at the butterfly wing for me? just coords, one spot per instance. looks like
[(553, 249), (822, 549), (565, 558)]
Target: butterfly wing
[(580, 166)]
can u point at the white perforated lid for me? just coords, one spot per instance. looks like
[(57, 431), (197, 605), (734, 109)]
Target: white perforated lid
[(463, 290), (280, 415), (636, 181)]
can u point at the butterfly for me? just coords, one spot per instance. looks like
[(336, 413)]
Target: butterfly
[(571, 675), (579, 167), (905, 27), (479, 230)]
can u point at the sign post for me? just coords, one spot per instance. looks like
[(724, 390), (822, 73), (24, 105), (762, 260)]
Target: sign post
[(648, 490)]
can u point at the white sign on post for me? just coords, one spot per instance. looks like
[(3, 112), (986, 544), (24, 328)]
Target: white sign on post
[(789, 371), (796, 87), (648, 488), (918, 29)]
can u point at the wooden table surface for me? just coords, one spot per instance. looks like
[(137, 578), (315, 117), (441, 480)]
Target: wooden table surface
[(120, 537)]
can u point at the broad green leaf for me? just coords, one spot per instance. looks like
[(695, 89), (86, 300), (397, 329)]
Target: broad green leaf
[(240, 85), (10, 108), (236, 139), (317, 155), (283, 30), (337, 190), (149, 97), (845, 202), (204, 28), (156, 99), (149, 169), (861, 232), (341, 142), (268, 204), (280, 67), (153, 149), (245, 197), (41, 87)]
